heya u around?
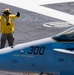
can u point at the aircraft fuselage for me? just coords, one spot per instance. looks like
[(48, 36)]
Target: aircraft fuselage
[(38, 56)]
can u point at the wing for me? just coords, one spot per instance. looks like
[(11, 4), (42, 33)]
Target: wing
[(64, 51)]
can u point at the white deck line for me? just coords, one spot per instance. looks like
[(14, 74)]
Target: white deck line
[(33, 6), (36, 2)]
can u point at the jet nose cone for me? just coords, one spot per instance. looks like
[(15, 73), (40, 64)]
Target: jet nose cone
[(5, 59)]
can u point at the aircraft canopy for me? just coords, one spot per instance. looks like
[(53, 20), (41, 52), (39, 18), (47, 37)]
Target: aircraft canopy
[(65, 36)]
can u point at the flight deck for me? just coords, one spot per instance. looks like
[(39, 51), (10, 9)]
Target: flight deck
[(34, 26)]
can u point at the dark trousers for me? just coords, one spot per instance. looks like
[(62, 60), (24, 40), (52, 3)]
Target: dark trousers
[(8, 37)]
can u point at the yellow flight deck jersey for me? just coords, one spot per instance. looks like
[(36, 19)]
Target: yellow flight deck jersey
[(4, 28)]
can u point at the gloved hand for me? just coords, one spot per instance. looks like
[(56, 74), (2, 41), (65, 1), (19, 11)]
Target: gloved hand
[(18, 14)]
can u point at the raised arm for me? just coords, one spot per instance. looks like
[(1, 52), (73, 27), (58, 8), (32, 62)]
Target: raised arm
[(15, 16)]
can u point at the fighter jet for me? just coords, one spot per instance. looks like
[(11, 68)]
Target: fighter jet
[(53, 55)]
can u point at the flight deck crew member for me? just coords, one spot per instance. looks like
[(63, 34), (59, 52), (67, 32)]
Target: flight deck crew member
[(7, 27)]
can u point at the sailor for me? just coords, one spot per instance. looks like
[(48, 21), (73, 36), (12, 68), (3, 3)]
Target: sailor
[(7, 27)]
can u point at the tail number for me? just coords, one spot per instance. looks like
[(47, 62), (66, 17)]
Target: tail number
[(37, 50)]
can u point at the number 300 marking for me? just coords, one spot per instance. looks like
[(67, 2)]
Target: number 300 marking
[(37, 50)]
